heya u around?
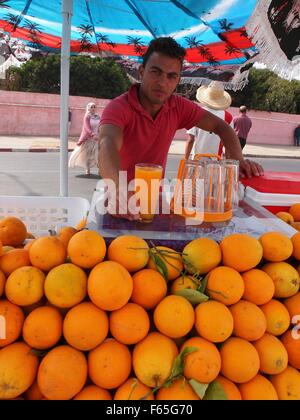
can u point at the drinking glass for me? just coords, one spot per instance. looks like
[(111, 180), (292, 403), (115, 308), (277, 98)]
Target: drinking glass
[(147, 186), (231, 185)]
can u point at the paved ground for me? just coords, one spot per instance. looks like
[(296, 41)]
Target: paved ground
[(51, 144)]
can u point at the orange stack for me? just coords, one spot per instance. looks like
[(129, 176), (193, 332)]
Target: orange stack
[(215, 321)]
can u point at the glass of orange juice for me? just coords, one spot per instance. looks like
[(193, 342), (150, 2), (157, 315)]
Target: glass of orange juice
[(147, 184)]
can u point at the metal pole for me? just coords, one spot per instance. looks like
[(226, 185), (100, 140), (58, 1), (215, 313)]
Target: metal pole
[(67, 11)]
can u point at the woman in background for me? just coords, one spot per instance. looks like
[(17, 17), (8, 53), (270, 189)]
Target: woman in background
[(85, 154)]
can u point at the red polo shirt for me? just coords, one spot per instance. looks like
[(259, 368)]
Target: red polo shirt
[(147, 140)]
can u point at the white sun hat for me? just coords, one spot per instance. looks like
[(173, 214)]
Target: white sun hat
[(214, 96)]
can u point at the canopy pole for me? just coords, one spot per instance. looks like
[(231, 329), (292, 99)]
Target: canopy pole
[(67, 12)]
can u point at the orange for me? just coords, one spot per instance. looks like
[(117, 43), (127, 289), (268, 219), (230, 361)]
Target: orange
[(230, 389), (180, 389), (65, 285), (130, 251), (285, 216), (2, 283), (201, 255), (293, 305), (109, 364), (42, 328), (109, 286), (184, 282), (259, 287), (14, 259), (25, 286), (291, 343), (13, 232), (240, 360), (259, 388), (204, 364), (296, 225), (62, 373), (28, 245), (296, 246), (285, 278), (93, 392), (129, 324), (249, 320), (153, 359), (85, 326), (294, 210), (47, 252), (276, 246), (65, 234), (11, 322), (272, 354), (225, 284), (1, 248), (18, 368), (277, 317), (287, 384), (33, 393), (133, 389), (174, 316), (149, 288), (172, 259), (86, 248), (214, 321), (241, 252)]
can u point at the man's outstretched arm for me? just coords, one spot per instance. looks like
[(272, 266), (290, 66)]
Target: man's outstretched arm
[(210, 122), (110, 143)]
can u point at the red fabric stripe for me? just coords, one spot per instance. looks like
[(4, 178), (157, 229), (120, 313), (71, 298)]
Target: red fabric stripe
[(218, 49)]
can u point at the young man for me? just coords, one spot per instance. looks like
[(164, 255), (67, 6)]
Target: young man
[(242, 125), (138, 126)]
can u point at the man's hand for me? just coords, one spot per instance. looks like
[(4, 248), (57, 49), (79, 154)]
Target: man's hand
[(123, 206), (249, 168)]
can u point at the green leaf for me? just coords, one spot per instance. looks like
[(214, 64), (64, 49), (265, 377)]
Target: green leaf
[(178, 365), (160, 265), (193, 296), (199, 388), (202, 287), (215, 391)]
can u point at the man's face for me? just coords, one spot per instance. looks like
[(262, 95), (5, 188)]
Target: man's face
[(160, 77)]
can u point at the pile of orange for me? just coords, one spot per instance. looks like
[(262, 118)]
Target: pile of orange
[(82, 321), (292, 217)]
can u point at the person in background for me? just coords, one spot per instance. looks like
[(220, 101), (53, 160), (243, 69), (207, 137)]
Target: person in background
[(297, 136), (139, 125), (242, 125), (85, 154), (214, 99)]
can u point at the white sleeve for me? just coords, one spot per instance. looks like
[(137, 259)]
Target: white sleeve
[(192, 131)]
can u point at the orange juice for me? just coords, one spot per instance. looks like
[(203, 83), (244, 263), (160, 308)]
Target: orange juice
[(148, 191)]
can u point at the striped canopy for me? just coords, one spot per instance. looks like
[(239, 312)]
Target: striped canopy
[(212, 31)]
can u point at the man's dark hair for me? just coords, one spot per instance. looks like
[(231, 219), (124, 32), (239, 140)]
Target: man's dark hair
[(164, 45)]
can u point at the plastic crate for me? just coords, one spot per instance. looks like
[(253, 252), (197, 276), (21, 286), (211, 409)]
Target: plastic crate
[(272, 202), (43, 213)]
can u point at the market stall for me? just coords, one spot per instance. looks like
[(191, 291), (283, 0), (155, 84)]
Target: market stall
[(199, 302)]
